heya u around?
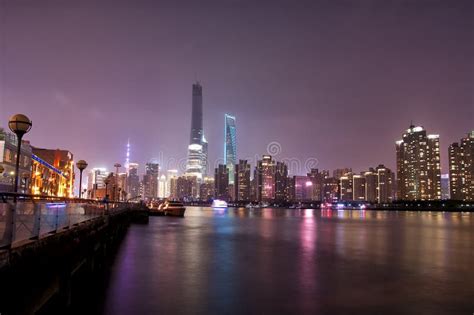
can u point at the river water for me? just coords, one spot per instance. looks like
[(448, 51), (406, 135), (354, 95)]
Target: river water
[(282, 261)]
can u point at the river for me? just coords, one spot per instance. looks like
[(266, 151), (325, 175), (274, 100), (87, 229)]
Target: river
[(287, 261)]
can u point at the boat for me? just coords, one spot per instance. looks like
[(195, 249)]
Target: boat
[(219, 204), (169, 208)]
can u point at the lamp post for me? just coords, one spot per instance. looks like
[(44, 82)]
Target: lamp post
[(81, 165), (117, 166), (19, 124)]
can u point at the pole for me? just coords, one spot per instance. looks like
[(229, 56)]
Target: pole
[(17, 167), (80, 184)]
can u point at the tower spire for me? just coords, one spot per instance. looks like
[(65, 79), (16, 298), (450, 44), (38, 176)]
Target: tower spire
[(127, 157)]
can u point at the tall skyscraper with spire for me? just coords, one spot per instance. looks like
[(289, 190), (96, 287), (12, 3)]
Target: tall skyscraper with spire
[(197, 149), (127, 156), (230, 146)]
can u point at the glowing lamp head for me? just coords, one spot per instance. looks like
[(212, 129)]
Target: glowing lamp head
[(309, 184), (19, 124)]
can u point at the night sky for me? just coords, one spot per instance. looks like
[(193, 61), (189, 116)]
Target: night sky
[(337, 81)]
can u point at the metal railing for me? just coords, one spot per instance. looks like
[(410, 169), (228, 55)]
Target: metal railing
[(28, 217)]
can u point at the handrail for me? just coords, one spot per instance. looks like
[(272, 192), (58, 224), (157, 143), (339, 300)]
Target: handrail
[(30, 197), (26, 216)]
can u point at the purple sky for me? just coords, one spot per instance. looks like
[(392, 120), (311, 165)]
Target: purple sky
[(337, 81)]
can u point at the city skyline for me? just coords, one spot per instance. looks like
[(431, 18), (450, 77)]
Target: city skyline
[(314, 96)]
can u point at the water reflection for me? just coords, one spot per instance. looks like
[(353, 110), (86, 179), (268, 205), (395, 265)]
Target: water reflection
[(305, 261)]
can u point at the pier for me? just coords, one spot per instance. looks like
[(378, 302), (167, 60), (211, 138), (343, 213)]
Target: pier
[(51, 247)]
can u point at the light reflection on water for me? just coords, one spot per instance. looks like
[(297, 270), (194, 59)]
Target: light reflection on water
[(278, 261)]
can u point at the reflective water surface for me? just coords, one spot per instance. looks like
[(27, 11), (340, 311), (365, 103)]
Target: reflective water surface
[(277, 261)]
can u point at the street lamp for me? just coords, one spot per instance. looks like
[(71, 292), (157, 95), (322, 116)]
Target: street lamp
[(19, 124), (117, 166), (81, 165)]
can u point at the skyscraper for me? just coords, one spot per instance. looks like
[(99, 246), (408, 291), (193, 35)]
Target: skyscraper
[(265, 179), (230, 146), (461, 169), (197, 149), (150, 179), (242, 181), (418, 165), (317, 178), (133, 181), (358, 187), (281, 182), (221, 182), (346, 187), (385, 182)]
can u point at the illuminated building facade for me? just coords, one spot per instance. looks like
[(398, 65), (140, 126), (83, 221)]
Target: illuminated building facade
[(172, 176), (207, 189), (186, 188), (162, 187), (358, 187), (418, 166), (331, 189), (371, 183), (461, 169), (133, 181), (345, 187), (265, 179), (281, 182), (197, 150), (230, 146), (339, 172), (385, 182), (242, 181), (150, 180), (302, 188), (221, 182), (96, 183), (52, 172), (317, 178), (8, 148)]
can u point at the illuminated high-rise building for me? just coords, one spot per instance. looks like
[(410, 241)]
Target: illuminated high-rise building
[(221, 182), (150, 180), (339, 172), (172, 176), (317, 179), (346, 187), (187, 187), (242, 181), (358, 187), (281, 182), (418, 165), (96, 182), (461, 169), (385, 182), (207, 189), (265, 179), (133, 181), (371, 184), (230, 146), (302, 188), (162, 187), (197, 149), (331, 189)]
